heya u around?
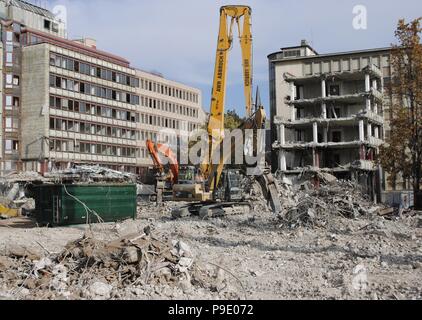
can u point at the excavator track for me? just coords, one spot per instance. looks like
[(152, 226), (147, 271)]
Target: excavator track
[(209, 210)]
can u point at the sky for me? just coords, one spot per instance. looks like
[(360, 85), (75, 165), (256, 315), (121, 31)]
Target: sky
[(178, 38)]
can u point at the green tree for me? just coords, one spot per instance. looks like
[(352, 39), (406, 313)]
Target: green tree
[(402, 153), (232, 120)]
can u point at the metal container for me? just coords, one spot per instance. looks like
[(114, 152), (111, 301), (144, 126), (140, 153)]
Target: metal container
[(64, 205)]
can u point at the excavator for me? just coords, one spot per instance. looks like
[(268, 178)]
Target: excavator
[(165, 180), (221, 188)]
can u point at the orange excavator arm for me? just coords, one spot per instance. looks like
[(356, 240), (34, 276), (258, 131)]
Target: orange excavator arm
[(156, 149)]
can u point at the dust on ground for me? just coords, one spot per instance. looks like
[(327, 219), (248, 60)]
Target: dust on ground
[(253, 256)]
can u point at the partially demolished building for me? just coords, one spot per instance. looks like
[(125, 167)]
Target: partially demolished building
[(327, 112)]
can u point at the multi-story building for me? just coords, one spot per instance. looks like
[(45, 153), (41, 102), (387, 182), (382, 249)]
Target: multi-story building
[(166, 109), (327, 112), (66, 102)]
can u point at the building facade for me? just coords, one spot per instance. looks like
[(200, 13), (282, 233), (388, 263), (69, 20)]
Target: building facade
[(66, 102), (328, 112)]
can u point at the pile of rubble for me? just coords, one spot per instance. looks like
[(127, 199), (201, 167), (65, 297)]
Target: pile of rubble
[(92, 269), (311, 206), (90, 174), (13, 199)]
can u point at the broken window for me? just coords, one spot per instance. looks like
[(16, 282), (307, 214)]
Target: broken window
[(47, 24), (334, 90), (336, 136)]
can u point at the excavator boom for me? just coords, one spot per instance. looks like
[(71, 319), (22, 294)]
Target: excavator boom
[(212, 170), (156, 149)]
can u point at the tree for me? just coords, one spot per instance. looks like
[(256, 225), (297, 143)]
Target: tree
[(402, 153), (232, 120)]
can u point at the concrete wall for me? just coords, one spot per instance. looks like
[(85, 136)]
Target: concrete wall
[(35, 99)]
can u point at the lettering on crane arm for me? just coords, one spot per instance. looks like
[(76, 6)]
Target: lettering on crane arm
[(220, 71), (247, 73)]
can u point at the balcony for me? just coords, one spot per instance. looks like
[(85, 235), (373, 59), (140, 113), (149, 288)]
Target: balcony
[(366, 165), (372, 70), (373, 117), (300, 145), (348, 98), (374, 142)]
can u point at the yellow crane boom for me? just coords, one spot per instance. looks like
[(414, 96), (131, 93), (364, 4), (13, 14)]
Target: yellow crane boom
[(217, 110)]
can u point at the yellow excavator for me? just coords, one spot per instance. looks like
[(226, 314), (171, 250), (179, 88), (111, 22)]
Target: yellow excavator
[(213, 170)]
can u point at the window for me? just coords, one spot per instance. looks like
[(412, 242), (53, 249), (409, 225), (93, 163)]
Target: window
[(47, 24), (9, 58), (9, 79), (300, 113), (11, 124), (10, 165), (300, 136), (16, 80), (9, 102), (334, 90), (336, 136), (336, 159)]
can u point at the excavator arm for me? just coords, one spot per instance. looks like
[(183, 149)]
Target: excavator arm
[(156, 149), (209, 168)]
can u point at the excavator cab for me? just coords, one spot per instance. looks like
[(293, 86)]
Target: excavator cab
[(191, 185), (187, 175), (230, 188)]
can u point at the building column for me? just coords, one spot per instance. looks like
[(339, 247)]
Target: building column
[(361, 131), (282, 134), (324, 110), (377, 132), (315, 127), (367, 82), (315, 157), (368, 104), (323, 88), (376, 108), (293, 115), (282, 163), (325, 132), (369, 130), (375, 84), (292, 91)]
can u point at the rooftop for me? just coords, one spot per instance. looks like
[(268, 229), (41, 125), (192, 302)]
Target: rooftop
[(274, 58), (72, 45), (31, 7)]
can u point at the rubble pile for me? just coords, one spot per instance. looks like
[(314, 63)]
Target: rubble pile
[(92, 269), (310, 206), (13, 199), (90, 174)]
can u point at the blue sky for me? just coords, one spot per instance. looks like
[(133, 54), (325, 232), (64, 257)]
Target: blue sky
[(178, 37)]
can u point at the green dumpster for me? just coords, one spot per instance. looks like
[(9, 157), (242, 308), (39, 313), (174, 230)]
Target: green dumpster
[(64, 205)]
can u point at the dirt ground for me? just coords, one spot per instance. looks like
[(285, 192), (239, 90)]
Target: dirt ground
[(252, 256)]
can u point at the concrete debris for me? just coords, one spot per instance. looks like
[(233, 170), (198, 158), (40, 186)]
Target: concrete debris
[(133, 260), (311, 206), (24, 177), (90, 174), (100, 291)]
